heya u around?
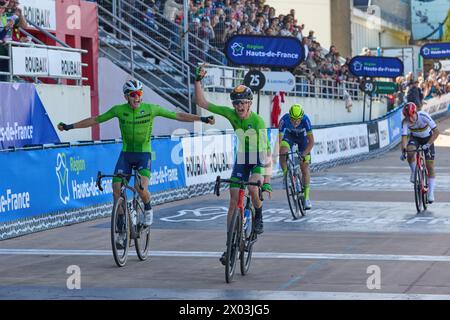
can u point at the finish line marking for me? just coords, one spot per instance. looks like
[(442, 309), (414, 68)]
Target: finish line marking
[(259, 255)]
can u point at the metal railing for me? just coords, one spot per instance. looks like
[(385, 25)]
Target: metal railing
[(146, 59), (304, 87)]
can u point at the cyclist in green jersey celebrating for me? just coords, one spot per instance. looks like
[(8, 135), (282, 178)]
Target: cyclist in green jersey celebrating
[(136, 123), (253, 154)]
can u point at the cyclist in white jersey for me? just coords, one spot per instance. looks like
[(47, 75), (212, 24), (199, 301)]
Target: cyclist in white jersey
[(422, 131)]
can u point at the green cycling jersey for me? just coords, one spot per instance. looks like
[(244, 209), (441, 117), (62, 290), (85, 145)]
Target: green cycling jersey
[(136, 124), (251, 132)]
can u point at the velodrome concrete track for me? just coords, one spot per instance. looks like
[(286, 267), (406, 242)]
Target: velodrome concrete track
[(363, 219)]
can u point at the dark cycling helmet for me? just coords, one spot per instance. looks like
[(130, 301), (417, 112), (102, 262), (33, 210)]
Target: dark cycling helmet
[(296, 112), (241, 92), (132, 85), (409, 109)]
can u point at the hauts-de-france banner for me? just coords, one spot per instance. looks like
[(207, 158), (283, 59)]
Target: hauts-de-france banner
[(251, 50), (23, 118)]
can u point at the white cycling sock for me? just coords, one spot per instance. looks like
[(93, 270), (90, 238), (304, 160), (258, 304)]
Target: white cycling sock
[(431, 184), (413, 167)]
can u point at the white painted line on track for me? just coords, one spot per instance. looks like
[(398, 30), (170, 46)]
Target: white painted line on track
[(211, 254)]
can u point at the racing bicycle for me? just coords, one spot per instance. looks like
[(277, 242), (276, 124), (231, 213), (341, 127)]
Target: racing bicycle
[(241, 235), (293, 183), (127, 220), (420, 180)]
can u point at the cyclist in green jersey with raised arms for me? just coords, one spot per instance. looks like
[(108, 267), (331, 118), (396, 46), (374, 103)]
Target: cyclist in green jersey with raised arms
[(136, 123), (253, 154)]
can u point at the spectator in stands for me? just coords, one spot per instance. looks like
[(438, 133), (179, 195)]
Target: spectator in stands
[(430, 89), (171, 10), (414, 93), (205, 33)]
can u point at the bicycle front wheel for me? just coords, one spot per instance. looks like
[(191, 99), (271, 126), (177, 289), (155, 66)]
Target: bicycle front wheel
[(233, 240), (424, 189), (120, 232), (291, 194), (247, 247), (418, 190), (142, 241), (299, 191)]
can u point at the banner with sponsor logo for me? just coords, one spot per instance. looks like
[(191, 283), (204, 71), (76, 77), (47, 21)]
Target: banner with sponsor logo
[(369, 66), (70, 176), (436, 105), (206, 157), (23, 118), (252, 50), (372, 133), (339, 142), (279, 81), (440, 50), (167, 170), (30, 61), (383, 133), (40, 12), (64, 64)]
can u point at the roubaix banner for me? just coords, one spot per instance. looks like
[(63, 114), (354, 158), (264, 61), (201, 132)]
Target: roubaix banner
[(435, 50), (369, 66), (251, 50), (42, 62), (23, 118), (40, 12), (279, 81), (339, 142), (206, 157)]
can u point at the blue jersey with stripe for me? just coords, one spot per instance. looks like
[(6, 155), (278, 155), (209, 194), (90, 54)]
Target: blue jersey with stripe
[(295, 134)]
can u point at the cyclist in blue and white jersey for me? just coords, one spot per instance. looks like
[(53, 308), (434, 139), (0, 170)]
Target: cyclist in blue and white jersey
[(295, 128)]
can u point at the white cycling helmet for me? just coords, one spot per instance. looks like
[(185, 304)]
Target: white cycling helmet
[(132, 85)]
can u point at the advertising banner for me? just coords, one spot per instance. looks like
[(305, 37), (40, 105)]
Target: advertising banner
[(64, 64), (70, 176), (279, 81), (369, 66), (382, 87), (439, 50), (167, 170), (383, 133), (251, 50), (40, 12), (372, 133), (30, 61), (212, 78), (206, 157), (395, 126), (339, 142), (23, 118), (436, 105)]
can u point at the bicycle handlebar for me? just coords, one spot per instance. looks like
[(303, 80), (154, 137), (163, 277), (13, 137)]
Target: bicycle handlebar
[(120, 175), (240, 182)]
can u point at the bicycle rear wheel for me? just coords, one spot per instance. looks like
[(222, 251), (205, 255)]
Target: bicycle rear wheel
[(142, 242), (233, 240), (418, 190), (247, 247), (291, 194), (120, 240)]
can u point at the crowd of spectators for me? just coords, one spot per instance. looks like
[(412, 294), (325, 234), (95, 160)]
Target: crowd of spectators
[(11, 19), (421, 89)]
